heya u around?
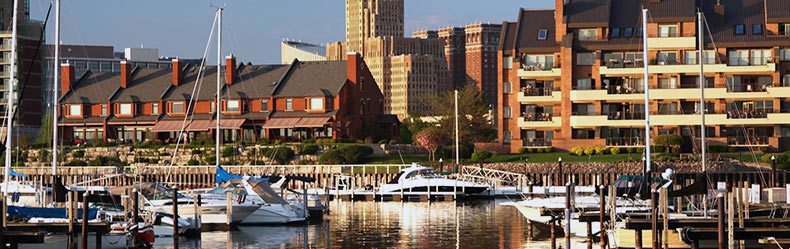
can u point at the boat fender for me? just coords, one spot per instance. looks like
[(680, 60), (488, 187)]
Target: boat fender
[(684, 232), (369, 187)]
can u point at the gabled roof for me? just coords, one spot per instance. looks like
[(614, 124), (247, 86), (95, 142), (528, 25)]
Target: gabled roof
[(778, 10), (256, 81), (669, 10), (737, 12), (323, 78), (206, 89), (523, 34), (93, 88), (147, 85), (588, 13)]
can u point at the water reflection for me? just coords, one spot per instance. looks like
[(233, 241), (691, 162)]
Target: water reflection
[(481, 224)]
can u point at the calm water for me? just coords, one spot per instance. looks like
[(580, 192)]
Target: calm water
[(482, 224)]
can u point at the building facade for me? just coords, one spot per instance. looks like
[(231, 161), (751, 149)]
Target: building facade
[(482, 41), (573, 76), (302, 100), (372, 18), (293, 50)]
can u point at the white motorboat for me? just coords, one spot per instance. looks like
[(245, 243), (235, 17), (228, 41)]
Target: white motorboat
[(418, 179), (273, 208)]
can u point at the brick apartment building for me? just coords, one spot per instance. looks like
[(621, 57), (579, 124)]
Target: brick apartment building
[(573, 76), (303, 100)]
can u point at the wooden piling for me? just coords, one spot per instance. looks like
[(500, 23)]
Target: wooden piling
[(175, 215), (553, 226), (602, 224), (84, 221), (229, 208), (654, 219), (568, 192), (637, 239), (720, 207)]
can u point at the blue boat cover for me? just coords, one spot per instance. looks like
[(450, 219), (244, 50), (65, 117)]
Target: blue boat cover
[(43, 212), (12, 173), (224, 176)]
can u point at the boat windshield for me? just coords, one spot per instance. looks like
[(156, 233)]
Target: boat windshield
[(158, 192), (423, 173), (222, 191)]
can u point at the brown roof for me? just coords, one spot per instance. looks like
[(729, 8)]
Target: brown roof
[(736, 12), (148, 85), (588, 13), (323, 78), (778, 10), (523, 34), (256, 81), (668, 10), (135, 119), (293, 114), (206, 88), (93, 88)]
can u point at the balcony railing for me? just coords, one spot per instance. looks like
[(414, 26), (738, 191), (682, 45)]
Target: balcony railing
[(620, 63), (624, 90), (748, 88), (538, 91), (538, 67), (738, 114), (533, 117), (625, 141), (626, 116), (536, 142), (747, 141), (749, 61)]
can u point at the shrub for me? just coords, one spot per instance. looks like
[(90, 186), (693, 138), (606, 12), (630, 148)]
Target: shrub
[(465, 151), (193, 162), (522, 150), (153, 161), (589, 151), (640, 150), (310, 149), (281, 154), (210, 159), (197, 152), (717, 148), (547, 150), (481, 155), (631, 150), (263, 141), (228, 151), (732, 149), (308, 141), (600, 150), (78, 153), (668, 140), (577, 151), (332, 157), (202, 141), (76, 163), (675, 150), (353, 153), (614, 150), (764, 149), (105, 161), (531, 150), (164, 153), (659, 148)]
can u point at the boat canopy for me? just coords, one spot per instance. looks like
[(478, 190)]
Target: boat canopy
[(224, 176), (46, 212), (262, 188)]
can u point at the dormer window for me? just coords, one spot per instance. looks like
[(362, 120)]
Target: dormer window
[(316, 104), (155, 108), (104, 109), (616, 32), (264, 105), (125, 109), (542, 34), (628, 32), (740, 29), (588, 34), (289, 104), (757, 29), (177, 107), (232, 106), (75, 110)]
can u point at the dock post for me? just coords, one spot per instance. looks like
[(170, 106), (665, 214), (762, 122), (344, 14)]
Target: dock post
[(720, 207), (637, 239), (198, 213), (175, 215), (553, 233), (730, 221), (84, 221), (4, 211), (589, 235), (229, 208), (304, 197), (601, 215), (654, 219), (568, 190)]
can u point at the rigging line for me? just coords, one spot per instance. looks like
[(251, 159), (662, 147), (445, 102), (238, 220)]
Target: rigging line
[(194, 88)]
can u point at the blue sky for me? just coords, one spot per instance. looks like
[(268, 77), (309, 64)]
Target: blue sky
[(253, 29)]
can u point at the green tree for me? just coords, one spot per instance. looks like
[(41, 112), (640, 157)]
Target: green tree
[(411, 125), (44, 137), (474, 121)]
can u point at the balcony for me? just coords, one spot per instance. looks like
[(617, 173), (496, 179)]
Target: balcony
[(540, 120), (539, 71), (747, 141), (626, 116), (603, 120), (540, 94), (671, 42), (739, 114), (536, 142), (625, 141), (676, 66)]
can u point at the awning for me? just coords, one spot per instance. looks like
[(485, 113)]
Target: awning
[(312, 122), (227, 124), (277, 123), (199, 125), (169, 125)]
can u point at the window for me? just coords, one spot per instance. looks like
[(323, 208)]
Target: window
[(761, 57), (125, 109), (628, 32), (784, 29), (506, 113), (588, 34), (667, 30), (583, 84), (507, 87), (507, 62), (75, 110), (667, 58), (539, 62), (668, 83), (264, 105), (757, 29), (740, 29), (738, 57), (155, 108), (507, 136), (585, 59), (289, 104), (316, 103), (639, 32), (177, 107), (691, 57), (542, 34), (616, 32), (583, 134), (784, 54), (104, 109), (583, 109), (786, 80), (232, 105)]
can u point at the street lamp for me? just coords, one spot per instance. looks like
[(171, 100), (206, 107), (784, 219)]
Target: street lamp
[(559, 160), (441, 165)]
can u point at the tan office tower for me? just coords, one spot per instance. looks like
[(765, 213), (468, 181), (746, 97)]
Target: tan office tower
[(372, 18)]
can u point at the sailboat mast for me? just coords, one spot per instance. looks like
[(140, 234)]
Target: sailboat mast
[(647, 90), (219, 79), (55, 77), (10, 97), (702, 88), (457, 155)]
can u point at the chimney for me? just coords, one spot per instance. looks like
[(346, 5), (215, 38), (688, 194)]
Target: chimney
[(177, 72), (66, 78), (126, 74), (230, 69), (353, 62), (559, 20)]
